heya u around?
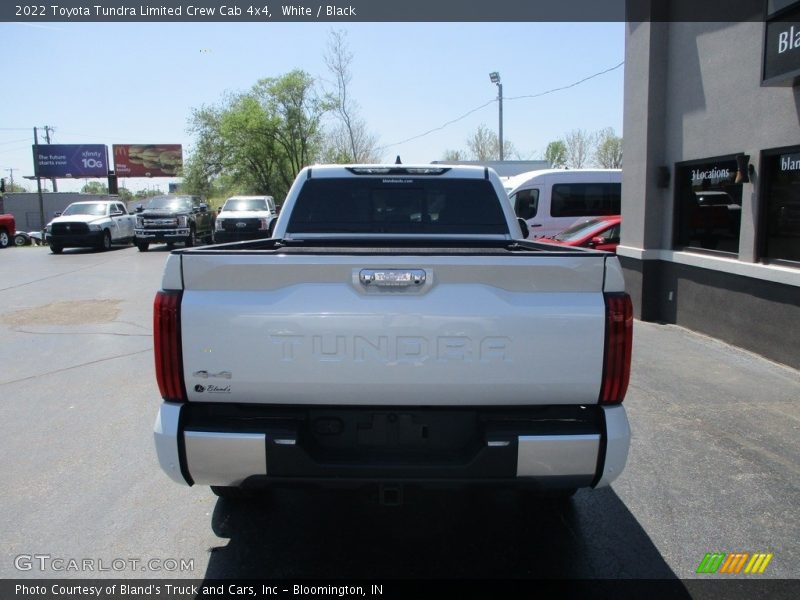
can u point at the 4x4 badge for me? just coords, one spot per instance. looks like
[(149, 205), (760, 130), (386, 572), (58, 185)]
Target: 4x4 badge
[(207, 375)]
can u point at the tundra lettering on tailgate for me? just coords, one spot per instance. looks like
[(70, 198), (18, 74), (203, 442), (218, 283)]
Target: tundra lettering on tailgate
[(389, 349)]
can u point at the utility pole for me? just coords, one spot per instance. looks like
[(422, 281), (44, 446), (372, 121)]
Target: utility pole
[(500, 98), (47, 130), (38, 179), (11, 176), (494, 77)]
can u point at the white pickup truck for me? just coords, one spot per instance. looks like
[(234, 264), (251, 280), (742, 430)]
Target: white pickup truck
[(91, 224), (244, 218), (396, 328)]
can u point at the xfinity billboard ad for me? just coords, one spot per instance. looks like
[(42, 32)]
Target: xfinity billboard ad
[(70, 160)]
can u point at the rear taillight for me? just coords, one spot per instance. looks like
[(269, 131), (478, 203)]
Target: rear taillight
[(167, 342), (619, 341)]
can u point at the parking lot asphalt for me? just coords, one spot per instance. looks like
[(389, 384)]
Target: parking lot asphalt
[(714, 464)]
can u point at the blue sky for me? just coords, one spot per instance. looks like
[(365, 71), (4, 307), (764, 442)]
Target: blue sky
[(137, 83)]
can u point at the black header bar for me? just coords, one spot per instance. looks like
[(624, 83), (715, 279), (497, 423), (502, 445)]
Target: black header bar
[(337, 11)]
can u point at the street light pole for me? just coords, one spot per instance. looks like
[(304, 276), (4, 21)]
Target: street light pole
[(494, 77)]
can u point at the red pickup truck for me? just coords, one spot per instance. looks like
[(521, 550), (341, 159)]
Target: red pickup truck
[(7, 229)]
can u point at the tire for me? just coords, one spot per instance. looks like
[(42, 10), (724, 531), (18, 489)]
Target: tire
[(192, 239), (105, 243), (4, 239), (142, 246), (55, 249), (21, 240)]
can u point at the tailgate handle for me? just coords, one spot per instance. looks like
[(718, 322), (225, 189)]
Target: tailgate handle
[(392, 277)]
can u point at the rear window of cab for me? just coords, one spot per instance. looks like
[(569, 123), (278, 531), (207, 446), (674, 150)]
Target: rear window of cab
[(399, 205)]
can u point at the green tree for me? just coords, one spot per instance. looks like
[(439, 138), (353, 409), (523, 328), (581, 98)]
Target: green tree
[(125, 194), (556, 154), (205, 161), (484, 145), (256, 141), (296, 109), (94, 187), (14, 187), (578, 144), (454, 155), (608, 152), (145, 194)]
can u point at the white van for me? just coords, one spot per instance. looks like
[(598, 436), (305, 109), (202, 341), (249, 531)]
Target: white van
[(551, 200)]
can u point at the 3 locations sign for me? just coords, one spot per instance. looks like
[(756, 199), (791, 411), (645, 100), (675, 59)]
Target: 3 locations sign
[(69, 160), (155, 160)]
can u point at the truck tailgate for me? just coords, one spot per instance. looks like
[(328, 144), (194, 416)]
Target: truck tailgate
[(399, 330)]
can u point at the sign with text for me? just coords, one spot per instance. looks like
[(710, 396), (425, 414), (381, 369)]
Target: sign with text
[(70, 160), (782, 49), (147, 160), (790, 162), (712, 175)]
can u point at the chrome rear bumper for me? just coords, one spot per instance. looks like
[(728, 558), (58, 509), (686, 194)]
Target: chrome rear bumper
[(222, 457)]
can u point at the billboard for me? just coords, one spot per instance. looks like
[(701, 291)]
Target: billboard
[(70, 160), (147, 160)]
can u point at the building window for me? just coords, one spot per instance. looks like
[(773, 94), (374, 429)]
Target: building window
[(780, 201), (708, 205)]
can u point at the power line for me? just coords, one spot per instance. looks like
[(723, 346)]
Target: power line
[(456, 120), (106, 136), (15, 149), (571, 85), (477, 108), (14, 141)]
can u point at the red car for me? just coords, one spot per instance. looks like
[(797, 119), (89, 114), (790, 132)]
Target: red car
[(599, 233), (7, 230)]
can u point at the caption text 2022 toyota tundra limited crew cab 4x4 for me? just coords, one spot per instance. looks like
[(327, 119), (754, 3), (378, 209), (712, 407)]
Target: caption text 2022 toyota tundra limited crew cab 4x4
[(396, 328)]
